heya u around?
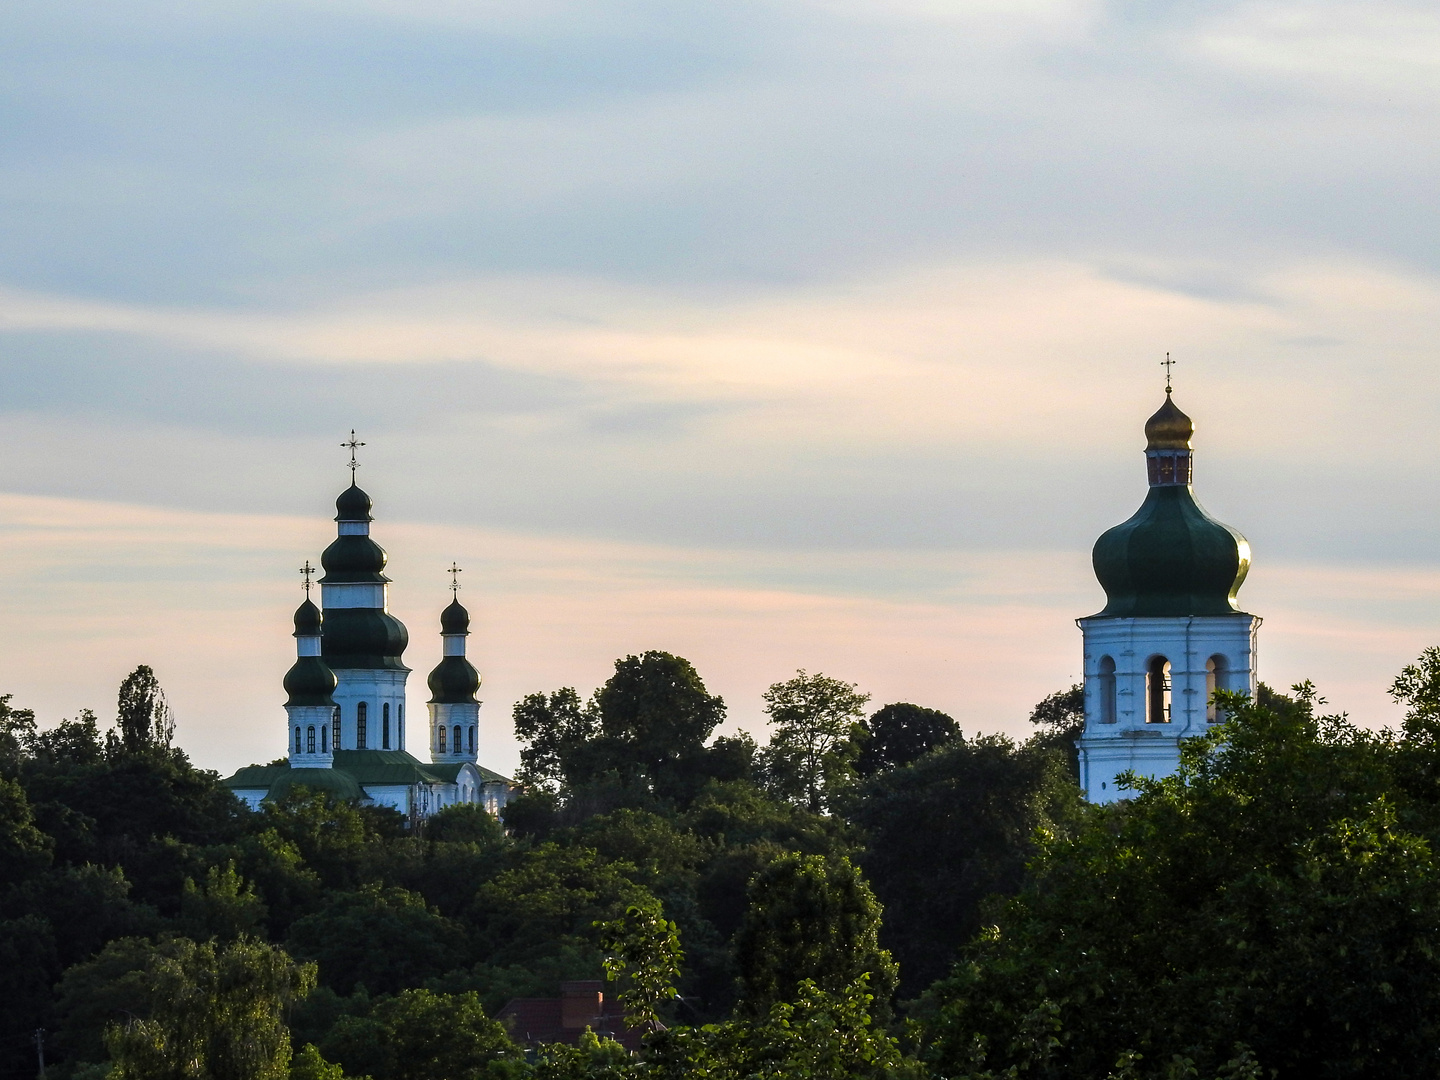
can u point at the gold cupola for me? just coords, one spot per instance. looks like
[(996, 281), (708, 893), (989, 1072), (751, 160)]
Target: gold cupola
[(1169, 428)]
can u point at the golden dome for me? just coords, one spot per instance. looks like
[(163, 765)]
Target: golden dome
[(1169, 428)]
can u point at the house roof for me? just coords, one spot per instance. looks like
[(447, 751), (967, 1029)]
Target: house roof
[(539, 1020), (354, 770)]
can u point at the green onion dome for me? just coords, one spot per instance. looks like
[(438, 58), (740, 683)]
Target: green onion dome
[(364, 638), (454, 680), (455, 619), (307, 620), (1171, 558), (353, 559), (353, 505), (310, 681)]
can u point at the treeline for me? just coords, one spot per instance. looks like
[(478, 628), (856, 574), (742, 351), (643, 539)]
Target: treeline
[(867, 894)]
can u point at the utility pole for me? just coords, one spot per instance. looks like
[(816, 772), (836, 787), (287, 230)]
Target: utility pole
[(40, 1049)]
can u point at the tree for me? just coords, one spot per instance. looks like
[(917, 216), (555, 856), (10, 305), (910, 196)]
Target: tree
[(814, 721), (946, 832), (383, 939), (552, 731), (225, 907), (656, 715), (642, 948), (310, 1064), (215, 1012), (552, 898), (899, 734), (17, 736), (464, 823), (143, 719), (420, 1035), (1275, 894), (819, 1035), (24, 849), (1060, 718), (810, 918)]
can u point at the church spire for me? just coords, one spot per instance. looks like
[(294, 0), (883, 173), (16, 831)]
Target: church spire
[(454, 711), (309, 688)]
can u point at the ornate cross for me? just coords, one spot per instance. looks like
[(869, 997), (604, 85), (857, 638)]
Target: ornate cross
[(454, 573), (352, 444), (307, 570), (1167, 364)]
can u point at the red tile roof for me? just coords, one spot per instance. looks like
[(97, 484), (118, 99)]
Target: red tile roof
[(564, 1019)]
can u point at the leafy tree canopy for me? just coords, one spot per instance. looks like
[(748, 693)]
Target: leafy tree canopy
[(815, 737), (1279, 895), (810, 918), (899, 734)]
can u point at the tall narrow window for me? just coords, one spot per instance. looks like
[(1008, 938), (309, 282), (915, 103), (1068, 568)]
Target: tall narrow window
[(385, 726), (335, 725), (441, 737), (1215, 671), (400, 725), (1106, 690), (472, 738), (297, 740), (310, 739), (456, 743), (324, 738), (360, 725), (1157, 691)]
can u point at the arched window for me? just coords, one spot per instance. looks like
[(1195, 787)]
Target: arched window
[(472, 738), (297, 740), (310, 739), (1216, 669), (324, 738), (360, 725), (385, 726), (441, 737), (1157, 691), (335, 724), (400, 725), (1106, 690), (456, 743)]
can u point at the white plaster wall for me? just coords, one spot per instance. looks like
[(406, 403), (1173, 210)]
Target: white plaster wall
[(464, 713), (375, 687), (1188, 643), (305, 716)]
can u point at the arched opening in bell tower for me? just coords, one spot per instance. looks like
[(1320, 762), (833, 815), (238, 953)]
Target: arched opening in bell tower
[(1216, 670), (1106, 690), (1157, 691)]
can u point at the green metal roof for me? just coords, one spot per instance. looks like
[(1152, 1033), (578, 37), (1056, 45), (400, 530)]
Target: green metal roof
[(1171, 558), (353, 771)]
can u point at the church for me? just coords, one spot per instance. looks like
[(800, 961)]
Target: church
[(1171, 632), (345, 729)]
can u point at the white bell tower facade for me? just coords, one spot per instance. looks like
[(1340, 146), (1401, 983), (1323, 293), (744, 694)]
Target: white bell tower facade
[(1171, 633)]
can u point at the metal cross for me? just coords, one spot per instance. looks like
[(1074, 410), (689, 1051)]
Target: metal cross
[(1167, 364), (353, 444), (307, 570), (454, 573)]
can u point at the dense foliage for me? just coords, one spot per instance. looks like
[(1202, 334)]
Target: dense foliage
[(863, 896)]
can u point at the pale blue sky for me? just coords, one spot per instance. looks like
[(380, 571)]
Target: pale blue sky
[(808, 298)]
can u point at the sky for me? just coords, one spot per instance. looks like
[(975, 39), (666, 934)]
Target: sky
[(778, 334)]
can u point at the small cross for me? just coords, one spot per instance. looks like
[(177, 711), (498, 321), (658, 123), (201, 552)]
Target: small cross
[(454, 573), (353, 444), (307, 570), (1167, 364)]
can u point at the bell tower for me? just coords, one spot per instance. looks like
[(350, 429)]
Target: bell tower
[(1171, 632), (309, 685), (454, 710), (363, 643)]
